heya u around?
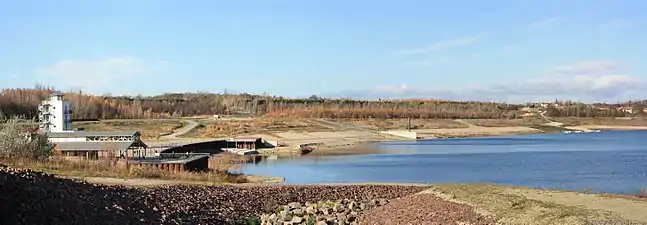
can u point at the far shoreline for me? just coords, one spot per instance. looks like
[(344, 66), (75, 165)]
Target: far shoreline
[(365, 149)]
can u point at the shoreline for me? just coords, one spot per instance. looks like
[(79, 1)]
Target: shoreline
[(359, 141), (363, 148), (231, 204), (147, 182), (337, 150)]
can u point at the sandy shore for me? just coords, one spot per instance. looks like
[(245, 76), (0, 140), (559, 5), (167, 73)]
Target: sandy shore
[(613, 127), (351, 141), (475, 131)]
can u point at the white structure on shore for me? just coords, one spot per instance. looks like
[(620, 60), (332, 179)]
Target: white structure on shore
[(54, 114)]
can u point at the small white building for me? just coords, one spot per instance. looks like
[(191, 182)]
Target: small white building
[(55, 114)]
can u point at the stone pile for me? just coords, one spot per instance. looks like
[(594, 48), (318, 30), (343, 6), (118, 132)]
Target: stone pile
[(342, 211), (31, 197)]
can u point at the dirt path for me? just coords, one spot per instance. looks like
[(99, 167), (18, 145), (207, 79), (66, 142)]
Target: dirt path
[(185, 129), (469, 125), (254, 180), (340, 126), (137, 182), (550, 122)]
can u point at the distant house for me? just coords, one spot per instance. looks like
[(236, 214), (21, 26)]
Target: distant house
[(626, 109)]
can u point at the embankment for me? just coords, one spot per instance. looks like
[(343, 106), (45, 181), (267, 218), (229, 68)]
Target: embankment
[(30, 197)]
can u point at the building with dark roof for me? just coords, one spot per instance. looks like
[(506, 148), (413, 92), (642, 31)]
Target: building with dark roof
[(97, 144), (54, 116)]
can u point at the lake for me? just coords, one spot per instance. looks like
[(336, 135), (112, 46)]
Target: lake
[(612, 161)]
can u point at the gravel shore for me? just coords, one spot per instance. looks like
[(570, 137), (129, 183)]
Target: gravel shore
[(424, 209), (30, 197)]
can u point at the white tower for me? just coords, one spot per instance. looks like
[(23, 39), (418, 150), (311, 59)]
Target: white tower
[(54, 114)]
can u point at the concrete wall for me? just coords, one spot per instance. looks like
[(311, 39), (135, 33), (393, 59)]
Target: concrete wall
[(212, 147), (402, 133), (271, 144), (201, 164)]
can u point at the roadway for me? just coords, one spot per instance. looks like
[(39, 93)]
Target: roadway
[(183, 130)]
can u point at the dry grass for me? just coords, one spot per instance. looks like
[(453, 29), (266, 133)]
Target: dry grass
[(115, 169), (21, 124), (395, 124), (525, 122), (150, 129), (577, 121), (515, 209), (229, 128), (222, 162)]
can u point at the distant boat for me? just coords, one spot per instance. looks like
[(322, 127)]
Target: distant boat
[(580, 131), (592, 131)]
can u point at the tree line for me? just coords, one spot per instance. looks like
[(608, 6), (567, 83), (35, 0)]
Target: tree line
[(24, 102)]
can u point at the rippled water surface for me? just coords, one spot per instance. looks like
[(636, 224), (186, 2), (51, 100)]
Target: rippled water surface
[(605, 161)]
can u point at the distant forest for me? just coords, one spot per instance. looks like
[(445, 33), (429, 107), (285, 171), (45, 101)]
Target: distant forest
[(24, 102)]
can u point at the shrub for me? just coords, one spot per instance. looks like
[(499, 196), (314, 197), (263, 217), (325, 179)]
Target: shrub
[(18, 142)]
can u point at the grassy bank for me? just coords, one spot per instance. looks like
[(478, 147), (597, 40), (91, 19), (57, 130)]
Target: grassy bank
[(115, 169), (150, 129), (516, 205)]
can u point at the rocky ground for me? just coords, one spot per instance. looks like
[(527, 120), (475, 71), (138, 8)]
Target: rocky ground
[(421, 208), (30, 197), (424, 209)]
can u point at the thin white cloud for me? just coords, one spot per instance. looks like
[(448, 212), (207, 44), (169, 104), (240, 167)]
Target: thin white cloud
[(442, 45), (100, 74), (428, 62), (399, 89), (582, 81), (589, 68), (615, 24), (547, 22)]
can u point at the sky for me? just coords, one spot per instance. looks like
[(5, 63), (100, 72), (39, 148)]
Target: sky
[(513, 50)]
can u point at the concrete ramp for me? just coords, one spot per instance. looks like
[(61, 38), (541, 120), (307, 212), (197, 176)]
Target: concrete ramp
[(402, 133)]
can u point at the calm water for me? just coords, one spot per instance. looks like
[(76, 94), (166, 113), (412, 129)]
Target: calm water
[(606, 161)]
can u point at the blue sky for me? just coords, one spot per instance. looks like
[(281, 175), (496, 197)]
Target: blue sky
[(484, 50)]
